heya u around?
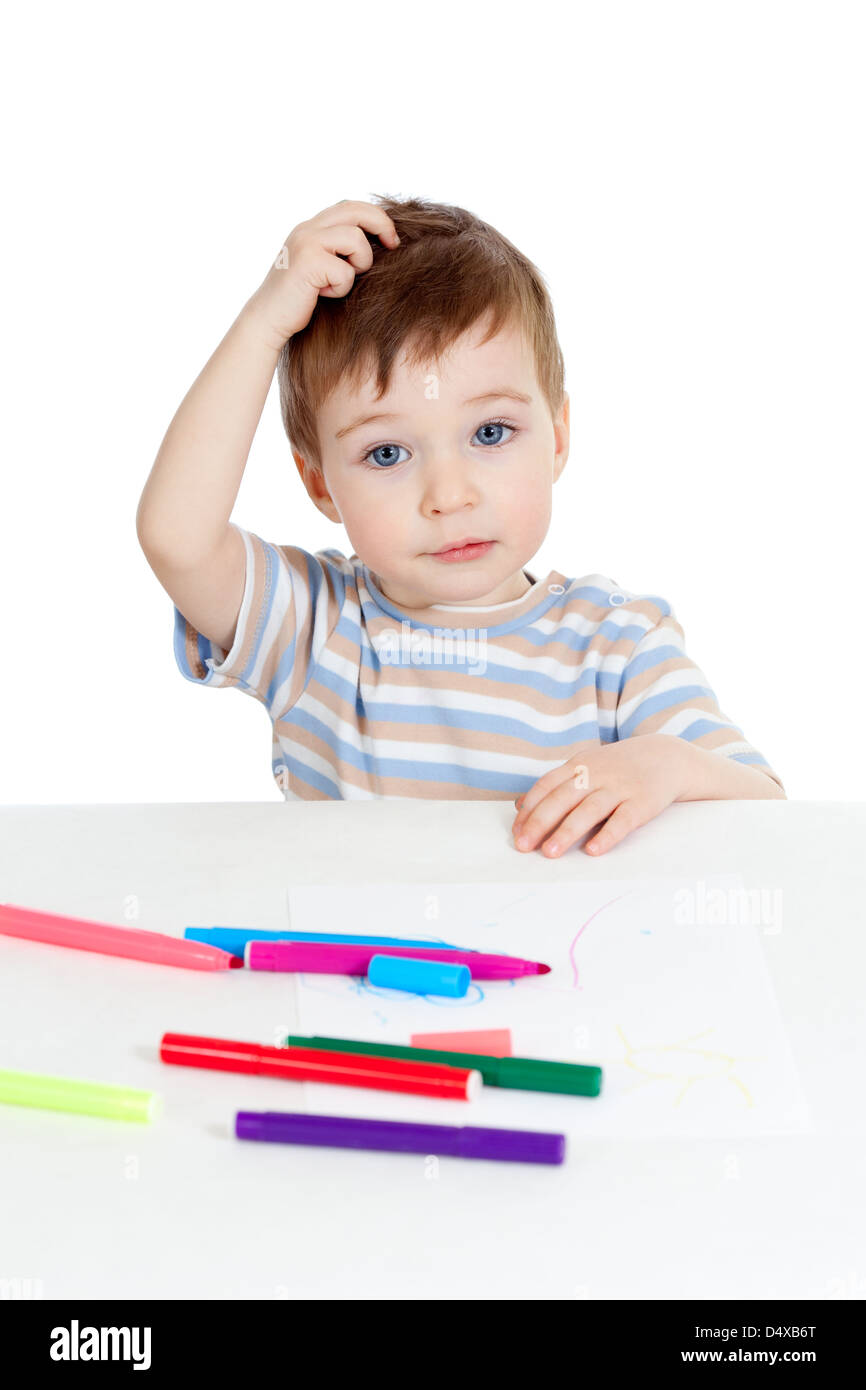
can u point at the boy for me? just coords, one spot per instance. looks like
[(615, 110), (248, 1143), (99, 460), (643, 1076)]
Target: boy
[(422, 391)]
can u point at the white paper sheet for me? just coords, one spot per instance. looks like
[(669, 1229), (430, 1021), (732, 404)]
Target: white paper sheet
[(662, 983)]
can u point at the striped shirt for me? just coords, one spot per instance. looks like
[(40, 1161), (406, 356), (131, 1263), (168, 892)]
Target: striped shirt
[(368, 699)]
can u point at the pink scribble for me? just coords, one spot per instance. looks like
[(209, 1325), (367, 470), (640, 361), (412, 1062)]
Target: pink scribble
[(583, 929)]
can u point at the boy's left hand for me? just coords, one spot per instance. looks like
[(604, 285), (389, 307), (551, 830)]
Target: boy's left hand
[(624, 784)]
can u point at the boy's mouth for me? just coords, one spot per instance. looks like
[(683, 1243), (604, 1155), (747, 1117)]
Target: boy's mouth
[(467, 549)]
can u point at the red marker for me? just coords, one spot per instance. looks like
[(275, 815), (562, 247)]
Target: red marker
[(332, 1068)]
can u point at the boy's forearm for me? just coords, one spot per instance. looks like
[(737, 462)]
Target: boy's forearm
[(714, 777), (189, 496)]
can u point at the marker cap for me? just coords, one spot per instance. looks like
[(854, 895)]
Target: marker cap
[(536, 1074), (514, 1145), (419, 976)]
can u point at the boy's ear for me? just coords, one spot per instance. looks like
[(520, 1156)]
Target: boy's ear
[(314, 481), (561, 435)]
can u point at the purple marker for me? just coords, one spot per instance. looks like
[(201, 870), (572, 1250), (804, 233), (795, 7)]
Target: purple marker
[(396, 1136)]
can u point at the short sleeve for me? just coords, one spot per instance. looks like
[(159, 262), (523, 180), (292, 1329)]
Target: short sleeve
[(291, 604), (662, 691)]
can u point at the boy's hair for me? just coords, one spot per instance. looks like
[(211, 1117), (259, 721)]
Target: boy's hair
[(449, 270)]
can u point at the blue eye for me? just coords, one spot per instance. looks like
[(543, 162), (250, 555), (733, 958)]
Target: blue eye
[(496, 425), (383, 449), (383, 465)]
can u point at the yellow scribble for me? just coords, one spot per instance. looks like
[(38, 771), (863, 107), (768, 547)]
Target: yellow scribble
[(632, 1053)]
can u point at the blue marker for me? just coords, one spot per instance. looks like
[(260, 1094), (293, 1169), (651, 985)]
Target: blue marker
[(234, 939)]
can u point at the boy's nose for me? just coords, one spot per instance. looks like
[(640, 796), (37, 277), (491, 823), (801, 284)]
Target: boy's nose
[(448, 487)]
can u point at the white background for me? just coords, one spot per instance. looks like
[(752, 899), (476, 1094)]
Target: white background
[(686, 176)]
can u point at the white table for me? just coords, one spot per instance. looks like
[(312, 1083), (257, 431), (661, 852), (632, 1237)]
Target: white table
[(180, 1209)]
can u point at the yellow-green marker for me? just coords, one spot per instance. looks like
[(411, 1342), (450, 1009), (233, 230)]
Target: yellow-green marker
[(82, 1097)]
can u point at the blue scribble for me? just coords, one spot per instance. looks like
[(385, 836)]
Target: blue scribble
[(360, 986)]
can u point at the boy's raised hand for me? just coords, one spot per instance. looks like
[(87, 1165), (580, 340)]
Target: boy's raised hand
[(628, 782), (310, 263)]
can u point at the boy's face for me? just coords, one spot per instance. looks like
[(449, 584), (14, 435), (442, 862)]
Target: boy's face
[(440, 470)]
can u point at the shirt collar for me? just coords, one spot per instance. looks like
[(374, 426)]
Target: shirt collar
[(497, 618)]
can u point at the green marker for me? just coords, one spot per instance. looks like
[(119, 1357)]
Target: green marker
[(516, 1073), (83, 1097)]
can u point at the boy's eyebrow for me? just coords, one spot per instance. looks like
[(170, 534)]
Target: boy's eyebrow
[(505, 391)]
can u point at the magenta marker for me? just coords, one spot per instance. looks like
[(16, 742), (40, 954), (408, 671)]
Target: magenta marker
[(398, 1136), (314, 957)]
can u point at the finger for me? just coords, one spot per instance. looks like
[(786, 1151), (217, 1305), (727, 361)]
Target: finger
[(542, 788), (530, 799), (348, 241), (331, 274), (547, 814), (369, 215), (595, 807), (627, 817)]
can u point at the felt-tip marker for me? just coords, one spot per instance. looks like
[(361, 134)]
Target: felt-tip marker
[(399, 1136), (331, 1068), (108, 1101), (235, 939), (131, 942), (311, 957), (513, 1073)]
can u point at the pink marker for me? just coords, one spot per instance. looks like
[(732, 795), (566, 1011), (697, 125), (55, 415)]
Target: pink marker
[(313, 957), (489, 1042), (131, 942)]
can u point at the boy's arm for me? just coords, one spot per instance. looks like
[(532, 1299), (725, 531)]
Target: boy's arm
[(183, 515), (182, 520), (663, 691), (714, 778)]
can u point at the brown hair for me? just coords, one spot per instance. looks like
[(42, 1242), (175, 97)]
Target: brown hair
[(449, 270)]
